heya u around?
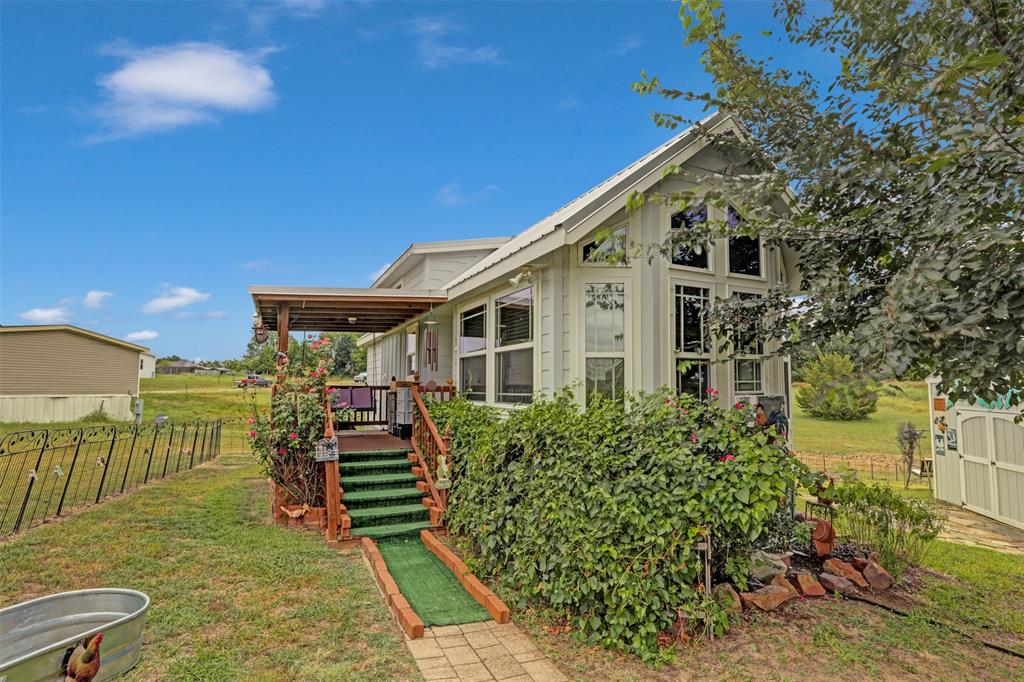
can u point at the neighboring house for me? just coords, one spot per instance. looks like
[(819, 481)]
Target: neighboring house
[(509, 318), (56, 373), (978, 456), (147, 366), (188, 367)]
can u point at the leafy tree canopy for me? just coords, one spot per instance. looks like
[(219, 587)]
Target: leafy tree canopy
[(906, 170)]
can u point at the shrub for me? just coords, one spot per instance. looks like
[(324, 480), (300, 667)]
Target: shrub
[(836, 392), (878, 518), (908, 437), (596, 511)]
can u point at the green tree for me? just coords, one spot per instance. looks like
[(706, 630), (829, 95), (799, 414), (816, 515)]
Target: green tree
[(836, 391), (906, 168)]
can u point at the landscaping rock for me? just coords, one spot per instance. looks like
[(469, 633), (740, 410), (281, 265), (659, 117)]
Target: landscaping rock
[(764, 565), (823, 536), (845, 570), (878, 578), (780, 581), (836, 583), (768, 598), (726, 595), (859, 562), (808, 585)]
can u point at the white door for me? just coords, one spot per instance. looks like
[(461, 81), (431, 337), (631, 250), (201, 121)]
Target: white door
[(991, 450)]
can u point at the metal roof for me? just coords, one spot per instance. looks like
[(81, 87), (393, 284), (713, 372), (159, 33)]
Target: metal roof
[(330, 309), (569, 215)]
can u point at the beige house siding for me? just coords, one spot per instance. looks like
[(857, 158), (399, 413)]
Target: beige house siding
[(63, 363)]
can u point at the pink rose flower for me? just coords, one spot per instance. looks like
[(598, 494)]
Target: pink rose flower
[(693, 438), (726, 458), (293, 435), (344, 403), (332, 390), (252, 434), (282, 451), (739, 405), (250, 421)]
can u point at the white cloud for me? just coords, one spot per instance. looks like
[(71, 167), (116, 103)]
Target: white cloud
[(144, 335), (175, 297), (46, 315), (435, 53), (568, 102), (631, 42), (452, 195), (163, 88), (94, 298), (379, 271), (214, 315)]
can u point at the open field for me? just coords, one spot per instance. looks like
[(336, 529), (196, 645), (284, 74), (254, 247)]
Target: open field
[(875, 435), (233, 597)]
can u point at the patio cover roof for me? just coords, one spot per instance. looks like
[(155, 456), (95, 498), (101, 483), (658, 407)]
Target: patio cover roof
[(329, 309)]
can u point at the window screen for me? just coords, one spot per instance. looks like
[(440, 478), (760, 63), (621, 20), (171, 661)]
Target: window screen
[(473, 377), (605, 317), (514, 375), (514, 318), (473, 329)]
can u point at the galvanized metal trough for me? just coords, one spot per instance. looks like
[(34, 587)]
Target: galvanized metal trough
[(39, 637)]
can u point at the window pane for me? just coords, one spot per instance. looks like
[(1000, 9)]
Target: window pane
[(744, 252), (610, 250), (605, 317), (748, 340), (691, 306), (473, 377), (695, 381), (514, 373), (514, 313), (687, 220), (473, 330), (607, 377), (747, 376)]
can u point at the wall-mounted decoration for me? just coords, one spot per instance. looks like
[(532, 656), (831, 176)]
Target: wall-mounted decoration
[(940, 424), (940, 444), (939, 404), (951, 439)]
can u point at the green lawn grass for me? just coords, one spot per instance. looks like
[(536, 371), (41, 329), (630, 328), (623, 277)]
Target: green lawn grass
[(179, 382), (875, 435), (234, 598)]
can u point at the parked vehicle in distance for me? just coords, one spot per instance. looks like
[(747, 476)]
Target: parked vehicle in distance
[(360, 378), (254, 380)]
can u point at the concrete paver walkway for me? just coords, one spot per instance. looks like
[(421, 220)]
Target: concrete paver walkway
[(481, 651)]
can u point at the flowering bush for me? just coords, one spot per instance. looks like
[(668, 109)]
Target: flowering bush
[(285, 439), (597, 511)]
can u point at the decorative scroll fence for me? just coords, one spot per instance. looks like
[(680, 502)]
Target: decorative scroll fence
[(49, 472)]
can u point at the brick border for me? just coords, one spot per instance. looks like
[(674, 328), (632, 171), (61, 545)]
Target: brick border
[(409, 621), (480, 592)]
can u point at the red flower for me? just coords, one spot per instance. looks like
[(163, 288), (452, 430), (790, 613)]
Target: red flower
[(739, 405), (726, 458), (332, 390), (250, 421), (693, 438), (282, 451), (252, 434), (293, 435)]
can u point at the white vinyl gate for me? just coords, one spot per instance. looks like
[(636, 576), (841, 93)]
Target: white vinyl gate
[(992, 464)]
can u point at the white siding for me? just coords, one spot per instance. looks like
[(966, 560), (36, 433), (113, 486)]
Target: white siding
[(442, 268), (48, 409)]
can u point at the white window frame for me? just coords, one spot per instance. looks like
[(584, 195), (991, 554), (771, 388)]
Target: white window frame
[(626, 354), (679, 354), (491, 350), (758, 358), (709, 248), (618, 225), (460, 356), (412, 359)]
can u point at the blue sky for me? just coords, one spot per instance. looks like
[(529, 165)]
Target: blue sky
[(157, 158)]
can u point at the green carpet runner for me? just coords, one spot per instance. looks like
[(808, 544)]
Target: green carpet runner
[(384, 504), (433, 591)]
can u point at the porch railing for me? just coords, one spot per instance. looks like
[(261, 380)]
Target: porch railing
[(427, 443), (375, 414)]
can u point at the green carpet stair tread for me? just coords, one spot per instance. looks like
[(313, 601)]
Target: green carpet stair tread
[(375, 466), (371, 455), (377, 481), (365, 517), (411, 529), (358, 499), (433, 591)]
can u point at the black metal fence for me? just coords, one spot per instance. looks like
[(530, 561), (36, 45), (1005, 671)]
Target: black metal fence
[(49, 472)]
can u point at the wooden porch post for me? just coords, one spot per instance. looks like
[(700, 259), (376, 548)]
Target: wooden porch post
[(332, 482)]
